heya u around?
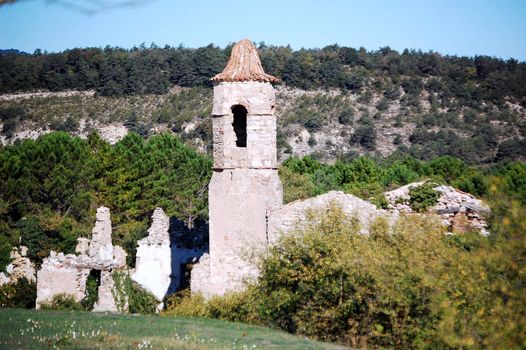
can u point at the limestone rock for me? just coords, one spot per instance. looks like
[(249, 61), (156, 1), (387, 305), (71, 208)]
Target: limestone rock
[(82, 246), (119, 257), (459, 210)]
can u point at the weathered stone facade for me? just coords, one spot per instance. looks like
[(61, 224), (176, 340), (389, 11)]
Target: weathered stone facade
[(292, 215), (20, 267), (67, 274), (245, 185), (160, 261), (459, 210)]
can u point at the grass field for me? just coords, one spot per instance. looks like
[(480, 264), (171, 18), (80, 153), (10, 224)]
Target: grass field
[(31, 329)]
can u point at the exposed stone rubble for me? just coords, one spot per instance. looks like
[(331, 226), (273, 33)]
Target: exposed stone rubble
[(460, 211), (20, 267), (160, 261), (100, 247), (288, 217), (68, 273)]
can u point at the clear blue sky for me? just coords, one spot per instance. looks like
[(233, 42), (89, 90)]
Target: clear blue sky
[(461, 27)]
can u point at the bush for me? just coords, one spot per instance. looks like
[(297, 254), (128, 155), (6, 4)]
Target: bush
[(403, 286), (183, 303), (423, 197), (346, 116), (233, 307), (62, 301), (140, 301), (365, 135), (5, 253), (23, 294), (92, 290), (332, 283)]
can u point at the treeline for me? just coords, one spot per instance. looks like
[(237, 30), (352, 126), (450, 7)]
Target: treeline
[(368, 178), (50, 189), (116, 71)]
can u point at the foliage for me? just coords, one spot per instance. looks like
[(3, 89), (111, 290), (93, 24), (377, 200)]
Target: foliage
[(5, 252), (141, 301), (50, 187), (22, 294), (129, 292), (62, 302), (92, 290), (423, 197), (405, 286), (142, 70), (183, 303), (238, 306)]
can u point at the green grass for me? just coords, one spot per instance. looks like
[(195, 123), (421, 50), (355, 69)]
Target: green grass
[(32, 329)]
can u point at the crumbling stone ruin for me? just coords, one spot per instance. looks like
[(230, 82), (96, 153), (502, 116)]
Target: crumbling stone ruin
[(245, 194), (161, 260), (245, 184), (246, 211), (288, 217), (20, 267), (67, 274), (459, 210)]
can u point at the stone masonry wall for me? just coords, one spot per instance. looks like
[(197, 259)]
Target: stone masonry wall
[(258, 98), (292, 215), (67, 274)]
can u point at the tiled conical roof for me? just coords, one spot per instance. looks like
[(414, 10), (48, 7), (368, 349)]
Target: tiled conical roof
[(244, 65)]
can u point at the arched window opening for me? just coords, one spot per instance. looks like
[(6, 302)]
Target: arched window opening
[(240, 125)]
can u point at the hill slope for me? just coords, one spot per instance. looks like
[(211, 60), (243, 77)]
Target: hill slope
[(30, 329), (328, 124)]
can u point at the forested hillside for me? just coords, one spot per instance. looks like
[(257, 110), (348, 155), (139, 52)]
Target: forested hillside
[(334, 103)]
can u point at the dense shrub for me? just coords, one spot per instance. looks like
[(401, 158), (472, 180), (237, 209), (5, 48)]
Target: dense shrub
[(5, 252), (92, 290), (239, 306), (423, 197), (62, 302), (22, 294), (126, 291)]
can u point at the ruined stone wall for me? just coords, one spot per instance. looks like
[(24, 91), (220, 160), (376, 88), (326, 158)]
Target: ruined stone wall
[(67, 274), (239, 201), (62, 274), (293, 215), (244, 188), (20, 267), (158, 267)]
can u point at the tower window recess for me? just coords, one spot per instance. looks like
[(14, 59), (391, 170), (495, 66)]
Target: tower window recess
[(240, 125)]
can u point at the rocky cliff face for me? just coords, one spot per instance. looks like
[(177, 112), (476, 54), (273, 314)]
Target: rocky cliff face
[(324, 123)]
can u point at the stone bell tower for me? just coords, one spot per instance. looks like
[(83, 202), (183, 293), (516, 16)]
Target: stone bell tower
[(245, 184)]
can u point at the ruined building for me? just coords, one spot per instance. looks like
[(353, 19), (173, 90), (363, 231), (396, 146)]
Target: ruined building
[(245, 185), (246, 211), (68, 274)]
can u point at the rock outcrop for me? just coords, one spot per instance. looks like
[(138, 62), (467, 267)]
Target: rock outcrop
[(459, 210), (288, 217)]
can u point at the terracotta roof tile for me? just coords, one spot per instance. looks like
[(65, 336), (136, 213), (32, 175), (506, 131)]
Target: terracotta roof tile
[(244, 65)]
